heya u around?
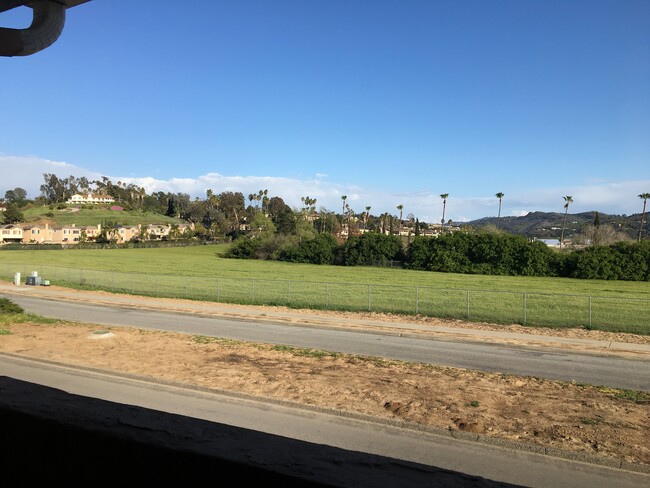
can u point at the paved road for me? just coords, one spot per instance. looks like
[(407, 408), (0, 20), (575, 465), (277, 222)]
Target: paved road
[(504, 463), (540, 362)]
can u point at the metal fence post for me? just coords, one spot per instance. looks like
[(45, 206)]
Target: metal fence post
[(327, 295), (368, 298), (417, 300), (289, 292), (524, 308), (467, 304), (590, 312)]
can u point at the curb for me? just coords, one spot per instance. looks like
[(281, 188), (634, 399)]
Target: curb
[(436, 431)]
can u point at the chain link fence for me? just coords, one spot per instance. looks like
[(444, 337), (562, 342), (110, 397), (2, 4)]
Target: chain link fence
[(504, 307)]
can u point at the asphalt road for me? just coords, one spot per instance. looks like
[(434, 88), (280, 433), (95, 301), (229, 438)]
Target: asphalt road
[(544, 362), (502, 463)]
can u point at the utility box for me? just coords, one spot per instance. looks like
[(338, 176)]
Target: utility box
[(17, 279), (33, 280)]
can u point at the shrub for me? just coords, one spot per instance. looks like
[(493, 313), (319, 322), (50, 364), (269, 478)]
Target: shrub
[(7, 307), (322, 249)]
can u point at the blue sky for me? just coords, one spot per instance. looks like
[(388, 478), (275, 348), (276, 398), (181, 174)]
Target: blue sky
[(387, 102)]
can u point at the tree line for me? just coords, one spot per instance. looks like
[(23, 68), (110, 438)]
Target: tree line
[(469, 252)]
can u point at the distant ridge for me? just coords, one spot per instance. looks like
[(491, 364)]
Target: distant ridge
[(547, 225)]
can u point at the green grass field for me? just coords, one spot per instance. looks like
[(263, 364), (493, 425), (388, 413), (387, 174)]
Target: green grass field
[(200, 272), (92, 215)]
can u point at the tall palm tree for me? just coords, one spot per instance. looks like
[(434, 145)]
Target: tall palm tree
[(444, 197), (567, 200), (644, 197), (365, 218), (500, 197), (400, 207)]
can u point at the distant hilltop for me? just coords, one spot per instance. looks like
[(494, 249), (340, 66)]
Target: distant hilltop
[(547, 225)]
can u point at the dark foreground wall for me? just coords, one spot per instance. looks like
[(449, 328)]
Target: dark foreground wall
[(50, 436)]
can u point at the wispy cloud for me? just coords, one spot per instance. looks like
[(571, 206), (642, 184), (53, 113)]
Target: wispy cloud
[(609, 197)]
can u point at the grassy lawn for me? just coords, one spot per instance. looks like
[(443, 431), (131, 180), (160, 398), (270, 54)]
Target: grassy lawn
[(200, 272)]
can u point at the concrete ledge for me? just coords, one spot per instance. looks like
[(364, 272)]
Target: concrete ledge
[(50, 435)]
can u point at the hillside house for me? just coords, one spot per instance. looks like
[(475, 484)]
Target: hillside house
[(90, 198)]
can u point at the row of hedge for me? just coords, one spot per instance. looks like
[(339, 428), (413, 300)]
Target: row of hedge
[(475, 253)]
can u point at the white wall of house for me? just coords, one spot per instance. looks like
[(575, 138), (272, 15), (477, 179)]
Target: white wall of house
[(90, 198)]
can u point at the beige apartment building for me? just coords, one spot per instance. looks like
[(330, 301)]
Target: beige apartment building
[(71, 234)]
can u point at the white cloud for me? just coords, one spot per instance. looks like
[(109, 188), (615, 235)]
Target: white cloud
[(608, 197), (27, 172)]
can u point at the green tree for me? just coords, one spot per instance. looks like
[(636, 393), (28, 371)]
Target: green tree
[(500, 196), (12, 214), (644, 197), (372, 249), (18, 196), (233, 206), (282, 216), (261, 225), (568, 199), (53, 189), (444, 197), (320, 249)]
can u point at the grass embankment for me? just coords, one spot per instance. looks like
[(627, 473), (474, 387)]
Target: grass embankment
[(91, 215), (201, 273), (11, 313)]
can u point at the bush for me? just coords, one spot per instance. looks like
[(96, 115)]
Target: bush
[(621, 261), (483, 253), (372, 249), (244, 248), (322, 249), (7, 307)]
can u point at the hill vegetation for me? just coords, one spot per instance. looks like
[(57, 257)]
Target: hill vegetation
[(547, 225)]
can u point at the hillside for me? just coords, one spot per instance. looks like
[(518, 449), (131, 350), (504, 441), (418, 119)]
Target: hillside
[(92, 215), (547, 225)]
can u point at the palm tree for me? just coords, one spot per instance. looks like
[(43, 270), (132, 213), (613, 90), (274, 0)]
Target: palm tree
[(444, 197), (265, 200), (365, 218), (645, 197), (400, 207), (567, 200), (344, 198), (499, 196)]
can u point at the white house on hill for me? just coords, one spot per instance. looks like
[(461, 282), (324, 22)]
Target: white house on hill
[(92, 198)]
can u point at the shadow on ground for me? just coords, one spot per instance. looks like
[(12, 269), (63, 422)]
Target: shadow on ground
[(55, 437)]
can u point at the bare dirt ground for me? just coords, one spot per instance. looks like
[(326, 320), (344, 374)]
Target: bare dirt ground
[(581, 418)]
